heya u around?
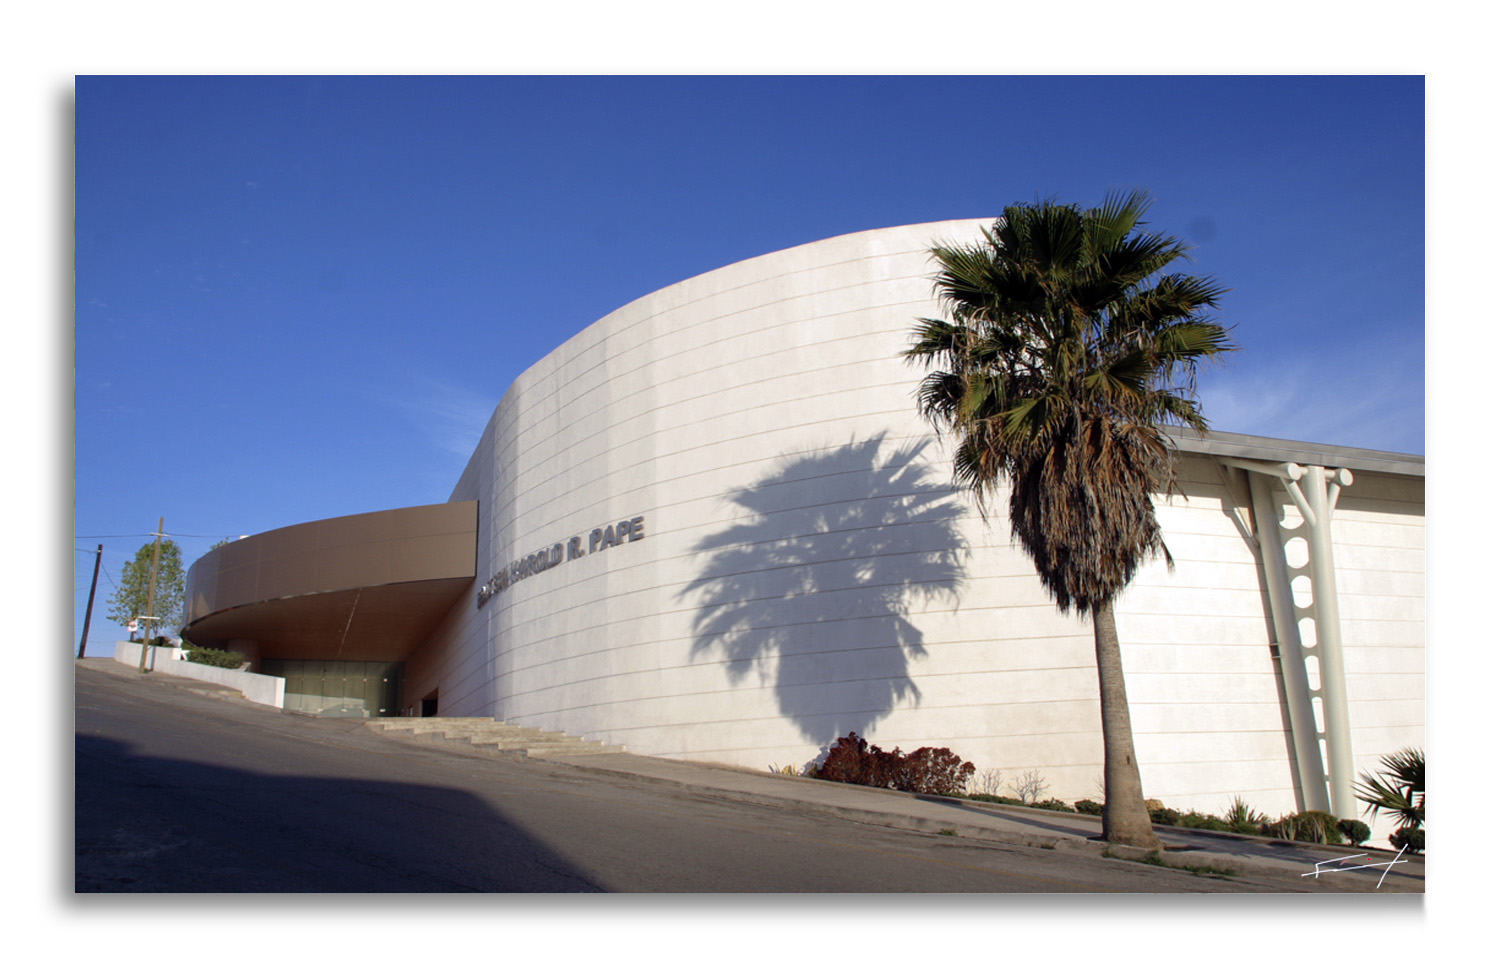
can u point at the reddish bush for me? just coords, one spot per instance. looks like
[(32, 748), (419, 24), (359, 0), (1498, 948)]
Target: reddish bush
[(934, 770), (853, 760), (928, 770), (845, 760)]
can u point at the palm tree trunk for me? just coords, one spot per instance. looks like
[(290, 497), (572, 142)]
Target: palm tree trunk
[(1126, 820)]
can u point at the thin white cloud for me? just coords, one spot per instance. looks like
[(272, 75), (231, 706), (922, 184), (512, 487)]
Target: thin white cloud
[(449, 416), (1354, 396)]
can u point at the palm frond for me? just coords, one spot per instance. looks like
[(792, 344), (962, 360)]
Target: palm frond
[(1120, 214), (1399, 790), (1066, 342)]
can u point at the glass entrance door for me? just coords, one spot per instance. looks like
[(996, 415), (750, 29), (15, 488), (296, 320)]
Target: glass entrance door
[(326, 687)]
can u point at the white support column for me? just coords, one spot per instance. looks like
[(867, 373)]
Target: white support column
[(1314, 490), (1321, 489), (1289, 646)]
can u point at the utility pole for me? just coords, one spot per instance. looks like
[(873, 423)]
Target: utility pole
[(88, 611), (151, 592)]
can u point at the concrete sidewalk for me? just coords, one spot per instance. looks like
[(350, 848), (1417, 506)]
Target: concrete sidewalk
[(1294, 865), (1282, 861)]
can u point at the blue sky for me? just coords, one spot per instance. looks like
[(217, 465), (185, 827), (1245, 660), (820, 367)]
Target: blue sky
[(299, 297)]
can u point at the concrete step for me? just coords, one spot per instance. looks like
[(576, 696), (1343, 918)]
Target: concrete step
[(572, 747), (432, 723), (429, 722), (492, 729), (505, 741), (575, 751), (488, 735)]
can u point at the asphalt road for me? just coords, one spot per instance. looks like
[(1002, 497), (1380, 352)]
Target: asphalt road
[(178, 792)]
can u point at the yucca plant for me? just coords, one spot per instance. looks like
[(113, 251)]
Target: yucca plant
[(1241, 815), (1399, 790)]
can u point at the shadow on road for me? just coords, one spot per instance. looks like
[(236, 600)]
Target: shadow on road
[(153, 824)]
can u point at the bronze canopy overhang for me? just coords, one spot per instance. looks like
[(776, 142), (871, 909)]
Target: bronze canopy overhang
[(366, 587)]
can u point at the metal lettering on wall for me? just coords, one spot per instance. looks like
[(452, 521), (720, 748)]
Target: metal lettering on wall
[(599, 539)]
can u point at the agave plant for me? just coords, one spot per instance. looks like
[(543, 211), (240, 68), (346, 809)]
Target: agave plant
[(1399, 790), (1242, 818)]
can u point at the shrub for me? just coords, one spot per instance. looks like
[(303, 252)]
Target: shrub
[(1322, 828), (1029, 786), (790, 770), (1356, 831), (1165, 815), (1199, 821), (215, 657), (1243, 820), (1412, 838), (933, 770), (988, 782), (1090, 807), (1309, 826), (848, 761), (991, 798), (1053, 804)]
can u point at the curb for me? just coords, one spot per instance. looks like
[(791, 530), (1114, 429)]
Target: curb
[(880, 818), (1064, 842)]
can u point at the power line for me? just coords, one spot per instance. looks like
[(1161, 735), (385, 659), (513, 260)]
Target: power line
[(152, 534)]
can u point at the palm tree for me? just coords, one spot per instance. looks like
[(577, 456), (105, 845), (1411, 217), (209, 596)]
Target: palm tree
[(1399, 789), (1065, 348)]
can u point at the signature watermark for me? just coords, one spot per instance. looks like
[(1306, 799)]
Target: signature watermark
[(1318, 868)]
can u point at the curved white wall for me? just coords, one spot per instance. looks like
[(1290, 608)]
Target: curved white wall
[(803, 569)]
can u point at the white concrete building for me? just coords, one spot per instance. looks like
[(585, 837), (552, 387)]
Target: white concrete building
[(713, 526)]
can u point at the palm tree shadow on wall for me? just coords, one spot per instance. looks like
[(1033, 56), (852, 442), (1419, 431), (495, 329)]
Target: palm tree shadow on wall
[(810, 591)]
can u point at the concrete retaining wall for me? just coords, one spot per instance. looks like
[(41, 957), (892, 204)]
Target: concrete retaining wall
[(266, 690)]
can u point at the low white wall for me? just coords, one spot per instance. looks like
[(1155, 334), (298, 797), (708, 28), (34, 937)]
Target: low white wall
[(265, 690), (156, 656)]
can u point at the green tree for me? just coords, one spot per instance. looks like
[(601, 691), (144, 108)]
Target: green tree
[(129, 598), (1064, 348)]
